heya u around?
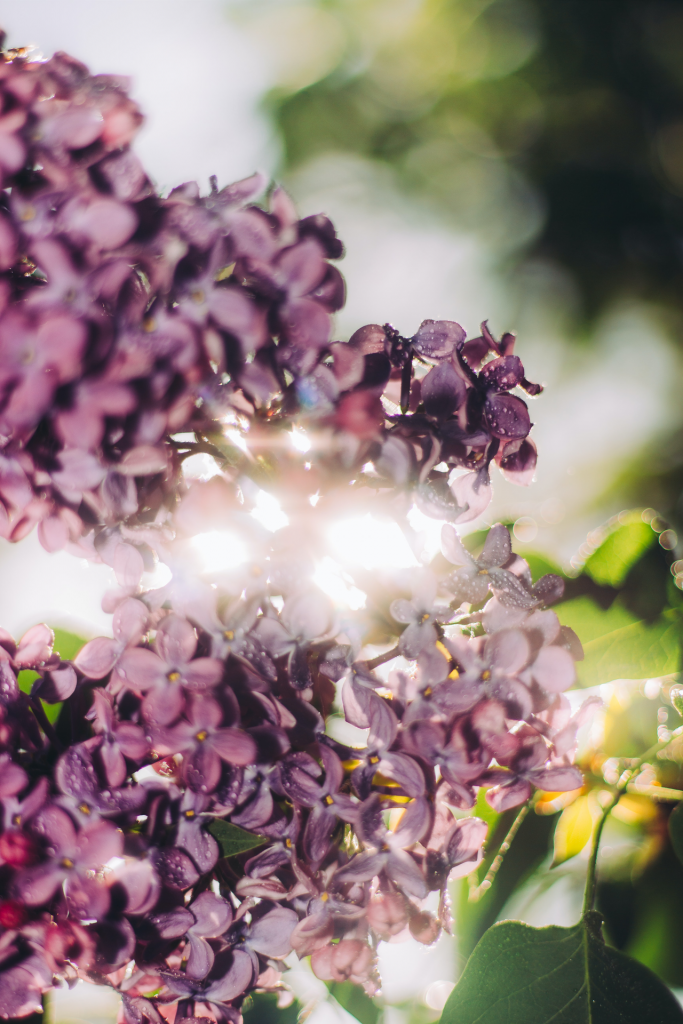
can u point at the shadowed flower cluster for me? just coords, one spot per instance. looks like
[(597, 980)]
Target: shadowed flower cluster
[(243, 769)]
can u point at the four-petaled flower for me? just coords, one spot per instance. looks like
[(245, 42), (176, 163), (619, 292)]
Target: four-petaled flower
[(165, 673)]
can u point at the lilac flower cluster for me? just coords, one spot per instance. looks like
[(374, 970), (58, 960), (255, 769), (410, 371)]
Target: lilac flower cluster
[(111, 872), (186, 819), (127, 318)]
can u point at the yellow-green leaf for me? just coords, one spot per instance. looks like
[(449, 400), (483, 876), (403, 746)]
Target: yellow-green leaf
[(619, 646), (573, 830), (637, 651), (621, 549), (67, 644)]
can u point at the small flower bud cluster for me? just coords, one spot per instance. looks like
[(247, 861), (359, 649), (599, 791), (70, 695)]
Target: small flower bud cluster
[(177, 814)]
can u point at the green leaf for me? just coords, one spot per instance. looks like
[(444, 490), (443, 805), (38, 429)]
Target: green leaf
[(638, 651), (626, 542), (619, 646), (262, 1008), (355, 1001), (26, 678), (589, 621), (233, 840), (67, 644), (676, 830), (573, 830), (523, 975), (540, 565)]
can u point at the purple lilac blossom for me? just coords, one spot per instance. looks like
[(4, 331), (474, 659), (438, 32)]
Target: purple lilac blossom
[(137, 331)]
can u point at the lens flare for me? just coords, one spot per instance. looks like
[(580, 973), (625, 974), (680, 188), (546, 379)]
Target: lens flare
[(332, 579), (219, 550), (268, 512), (300, 440), (201, 466), (371, 543)]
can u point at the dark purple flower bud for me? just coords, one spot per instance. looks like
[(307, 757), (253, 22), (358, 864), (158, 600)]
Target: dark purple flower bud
[(436, 339), (443, 390)]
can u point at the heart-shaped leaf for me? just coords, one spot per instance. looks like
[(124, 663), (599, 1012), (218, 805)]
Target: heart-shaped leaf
[(523, 975), (233, 840)]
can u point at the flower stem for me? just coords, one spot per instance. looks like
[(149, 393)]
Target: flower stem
[(478, 891), (655, 792), (622, 786), (44, 722), (382, 658)]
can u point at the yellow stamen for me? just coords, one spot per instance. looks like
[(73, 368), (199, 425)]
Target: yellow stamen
[(173, 677), (201, 736), (224, 272)]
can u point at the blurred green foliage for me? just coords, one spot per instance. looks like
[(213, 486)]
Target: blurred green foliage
[(263, 1008), (552, 131), (574, 107)]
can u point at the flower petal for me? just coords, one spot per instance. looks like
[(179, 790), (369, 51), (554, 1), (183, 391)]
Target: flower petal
[(175, 641), (270, 935), (201, 958), (141, 669), (236, 979), (554, 669), (234, 746)]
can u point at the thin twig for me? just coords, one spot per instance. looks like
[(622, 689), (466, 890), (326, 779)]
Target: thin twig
[(44, 722), (478, 891), (381, 658), (187, 448), (655, 792), (622, 786)]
